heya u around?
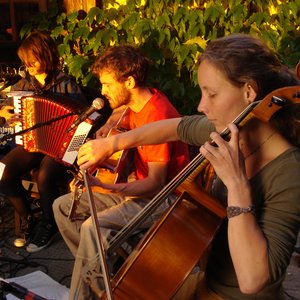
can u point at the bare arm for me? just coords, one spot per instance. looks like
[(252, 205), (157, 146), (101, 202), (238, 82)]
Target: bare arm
[(147, 187), (96, 151), (247, 244)]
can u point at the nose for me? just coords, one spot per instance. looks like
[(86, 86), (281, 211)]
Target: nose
[(103, 90), (202, 106)]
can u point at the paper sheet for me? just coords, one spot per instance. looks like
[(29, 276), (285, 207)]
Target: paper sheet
[(40, 283)]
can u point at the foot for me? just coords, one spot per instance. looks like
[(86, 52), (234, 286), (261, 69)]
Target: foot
[(41, 237)]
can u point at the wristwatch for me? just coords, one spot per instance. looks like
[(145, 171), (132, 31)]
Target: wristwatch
[(233, 211)]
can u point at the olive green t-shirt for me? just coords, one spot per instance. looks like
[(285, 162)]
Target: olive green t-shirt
[(276, 195)]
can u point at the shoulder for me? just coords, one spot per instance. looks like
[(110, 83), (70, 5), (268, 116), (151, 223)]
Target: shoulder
[(280, 178), (158, 96), (289, 161), (63, 77), (22, 85), (159, 107)]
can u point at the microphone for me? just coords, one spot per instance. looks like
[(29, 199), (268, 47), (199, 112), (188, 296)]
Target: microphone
[(97, 104)]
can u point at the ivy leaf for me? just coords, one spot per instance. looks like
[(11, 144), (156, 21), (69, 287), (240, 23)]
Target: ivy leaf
[(75, 65), (81, 32), (57, 31), (178, 16), (109, 35), (92, 14), (259, 18), (63, 49), (201, 42), (73, 16)]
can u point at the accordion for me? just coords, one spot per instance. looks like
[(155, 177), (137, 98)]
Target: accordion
[(46, 120)]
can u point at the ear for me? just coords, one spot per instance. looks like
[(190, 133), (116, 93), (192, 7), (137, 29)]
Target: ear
[(250, 92), (130, 82)]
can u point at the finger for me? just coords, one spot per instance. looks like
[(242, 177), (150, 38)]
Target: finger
[(217, 144), (208, 150), (234, 139), (84, 162), (82, 158), (85, 148)]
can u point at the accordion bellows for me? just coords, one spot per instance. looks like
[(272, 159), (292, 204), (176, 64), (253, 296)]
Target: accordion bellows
[(48, 119)]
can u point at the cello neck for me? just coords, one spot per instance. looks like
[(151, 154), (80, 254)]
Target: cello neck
[(190, 172)]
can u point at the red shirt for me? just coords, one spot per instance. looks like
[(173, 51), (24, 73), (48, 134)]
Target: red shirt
[(174, 153)]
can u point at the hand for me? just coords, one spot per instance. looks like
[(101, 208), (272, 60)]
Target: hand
[(117, 116), (226, 158), (103, 131), (7, 112), (94, 152)]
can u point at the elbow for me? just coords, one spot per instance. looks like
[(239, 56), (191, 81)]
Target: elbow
[(252, 285)]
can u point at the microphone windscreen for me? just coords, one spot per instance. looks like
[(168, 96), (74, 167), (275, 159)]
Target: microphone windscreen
[(98, 103)]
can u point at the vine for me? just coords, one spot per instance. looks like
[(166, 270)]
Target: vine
[(171, 33)]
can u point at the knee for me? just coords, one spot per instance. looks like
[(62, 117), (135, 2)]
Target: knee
[(12, 188), (56, 205), (61, 207)]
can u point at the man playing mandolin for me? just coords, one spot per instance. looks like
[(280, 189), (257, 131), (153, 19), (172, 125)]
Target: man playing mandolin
[(257, 168), (122, 72)]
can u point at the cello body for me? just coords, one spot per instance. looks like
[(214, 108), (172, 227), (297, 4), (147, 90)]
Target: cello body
[(170, 252)]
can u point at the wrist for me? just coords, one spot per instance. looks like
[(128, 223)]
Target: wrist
[(114, 143), (233, 211)]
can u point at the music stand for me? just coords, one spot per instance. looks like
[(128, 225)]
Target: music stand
[(100, 245)]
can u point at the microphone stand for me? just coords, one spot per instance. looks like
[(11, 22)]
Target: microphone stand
[(100, 245), (10, 82), (37, 125)]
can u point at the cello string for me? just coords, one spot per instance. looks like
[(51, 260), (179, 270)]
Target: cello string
[(196, 165)]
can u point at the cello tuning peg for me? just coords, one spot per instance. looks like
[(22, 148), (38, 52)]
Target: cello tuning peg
[(297, 94), (279, 100)]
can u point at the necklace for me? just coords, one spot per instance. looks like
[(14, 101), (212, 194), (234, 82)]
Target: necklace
[(260, 145)]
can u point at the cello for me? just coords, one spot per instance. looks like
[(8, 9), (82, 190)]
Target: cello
[(166, 255)]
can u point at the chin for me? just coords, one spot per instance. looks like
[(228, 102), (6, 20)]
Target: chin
[(32, 73), (219, 129)]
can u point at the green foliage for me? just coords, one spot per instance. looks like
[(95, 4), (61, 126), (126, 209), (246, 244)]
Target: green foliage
[(171, 33)]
